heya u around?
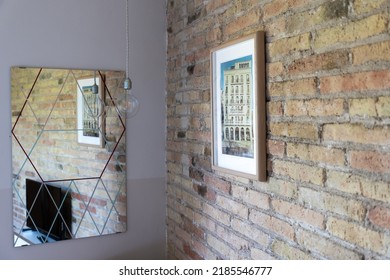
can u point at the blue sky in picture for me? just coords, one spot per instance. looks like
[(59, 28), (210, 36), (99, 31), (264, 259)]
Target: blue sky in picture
[(228, 64)]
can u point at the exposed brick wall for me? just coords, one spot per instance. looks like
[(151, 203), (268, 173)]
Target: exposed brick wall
[(328, 119)]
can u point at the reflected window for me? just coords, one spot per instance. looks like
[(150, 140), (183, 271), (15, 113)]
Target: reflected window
[(237, 134)]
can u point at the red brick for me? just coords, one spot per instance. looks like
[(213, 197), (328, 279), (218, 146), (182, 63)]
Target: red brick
[(275, 147), (375, 80), (91, 209), (380, 216), (193, 229), (219, 184), (191, 253), (205, 192), (371, 161)]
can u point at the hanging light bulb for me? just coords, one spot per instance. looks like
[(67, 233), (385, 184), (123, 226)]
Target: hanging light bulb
[(95, 105), (127, 103)]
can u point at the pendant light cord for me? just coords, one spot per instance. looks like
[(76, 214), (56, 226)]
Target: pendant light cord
[(127, 39), (129, 102)]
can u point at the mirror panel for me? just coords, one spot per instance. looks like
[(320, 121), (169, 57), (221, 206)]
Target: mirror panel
[(68, 154)]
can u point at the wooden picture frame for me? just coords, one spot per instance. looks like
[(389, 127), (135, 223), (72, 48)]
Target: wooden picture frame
[(238, 107), (90, 127)]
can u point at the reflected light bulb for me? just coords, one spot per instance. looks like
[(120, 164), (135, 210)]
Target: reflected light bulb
[(128, 104), (94, 104)]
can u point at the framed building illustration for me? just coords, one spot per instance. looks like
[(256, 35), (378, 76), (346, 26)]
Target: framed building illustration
[(238, 107), (90, 111)]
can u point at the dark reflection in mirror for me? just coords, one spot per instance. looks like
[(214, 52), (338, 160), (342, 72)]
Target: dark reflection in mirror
[(68, 154)]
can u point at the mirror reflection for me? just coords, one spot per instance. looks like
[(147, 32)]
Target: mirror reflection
[(68, 154)]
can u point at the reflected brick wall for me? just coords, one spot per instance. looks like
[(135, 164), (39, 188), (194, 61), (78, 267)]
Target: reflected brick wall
[(56, 153)]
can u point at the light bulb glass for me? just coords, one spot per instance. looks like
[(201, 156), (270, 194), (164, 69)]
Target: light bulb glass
[(128, 105)]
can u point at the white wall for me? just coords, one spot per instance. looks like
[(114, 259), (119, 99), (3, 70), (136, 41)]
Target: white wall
[(91, 34)]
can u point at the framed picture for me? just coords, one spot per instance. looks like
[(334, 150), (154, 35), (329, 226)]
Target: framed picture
[(90, 116), (238, 107)]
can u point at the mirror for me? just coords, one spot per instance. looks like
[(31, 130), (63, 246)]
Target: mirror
[(68, 154)]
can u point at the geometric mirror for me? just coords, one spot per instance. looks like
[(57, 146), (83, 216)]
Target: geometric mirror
[(68, 154)]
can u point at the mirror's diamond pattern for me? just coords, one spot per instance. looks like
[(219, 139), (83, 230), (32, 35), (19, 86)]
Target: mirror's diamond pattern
[(50, 145)]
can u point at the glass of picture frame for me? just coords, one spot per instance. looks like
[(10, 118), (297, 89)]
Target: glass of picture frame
[(238, 107)]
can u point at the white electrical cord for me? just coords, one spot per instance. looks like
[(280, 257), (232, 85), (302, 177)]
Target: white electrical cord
[(129, 103), (127, 39)]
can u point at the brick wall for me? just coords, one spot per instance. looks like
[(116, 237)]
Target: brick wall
[(328, 119)]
